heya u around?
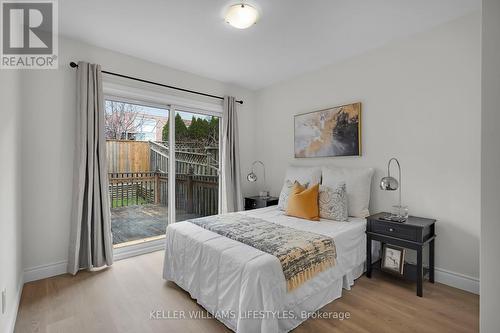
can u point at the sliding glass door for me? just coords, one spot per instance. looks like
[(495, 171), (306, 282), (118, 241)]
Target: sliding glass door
[(196, 164), (144, 197)]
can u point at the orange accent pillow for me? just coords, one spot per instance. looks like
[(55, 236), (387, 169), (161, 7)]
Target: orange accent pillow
[(303, 202)]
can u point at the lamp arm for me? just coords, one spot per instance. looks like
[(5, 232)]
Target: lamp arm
[(263, 169), (399, 171)]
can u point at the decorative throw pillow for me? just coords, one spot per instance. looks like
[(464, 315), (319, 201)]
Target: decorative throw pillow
[(333, 203), (285, 193), (303, 202)]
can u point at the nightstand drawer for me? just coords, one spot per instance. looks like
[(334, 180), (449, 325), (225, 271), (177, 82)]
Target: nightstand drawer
[(394, 230)]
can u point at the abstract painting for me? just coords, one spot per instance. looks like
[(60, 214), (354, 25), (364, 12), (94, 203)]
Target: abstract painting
[(332, 132)]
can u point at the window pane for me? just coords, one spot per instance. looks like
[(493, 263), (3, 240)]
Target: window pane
[(197, 165)]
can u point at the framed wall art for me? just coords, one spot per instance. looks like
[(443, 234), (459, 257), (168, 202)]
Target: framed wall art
[(331, 132)]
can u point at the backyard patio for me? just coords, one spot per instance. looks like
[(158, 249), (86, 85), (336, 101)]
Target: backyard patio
[(139, 222)]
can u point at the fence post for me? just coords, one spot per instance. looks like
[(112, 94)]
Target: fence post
[(157, 187), (189, 189)]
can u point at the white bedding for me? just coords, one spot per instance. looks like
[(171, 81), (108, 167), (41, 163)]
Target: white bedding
[(231, 279)]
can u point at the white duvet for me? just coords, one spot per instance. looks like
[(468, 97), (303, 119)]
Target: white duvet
[(244, 287)]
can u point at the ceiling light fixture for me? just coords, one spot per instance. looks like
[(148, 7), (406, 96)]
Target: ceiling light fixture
[(242, 16)]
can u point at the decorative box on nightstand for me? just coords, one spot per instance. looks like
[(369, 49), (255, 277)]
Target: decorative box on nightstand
[(259, 202), (414, 233)]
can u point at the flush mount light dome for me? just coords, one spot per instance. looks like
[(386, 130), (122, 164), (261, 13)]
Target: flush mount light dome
[(242, 16)]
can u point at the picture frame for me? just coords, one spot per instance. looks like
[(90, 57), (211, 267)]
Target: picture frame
[(393, 259), (331, 132)]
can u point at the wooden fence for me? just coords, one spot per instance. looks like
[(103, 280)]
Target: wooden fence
[(126, 156), (195, 194), (203, 161)]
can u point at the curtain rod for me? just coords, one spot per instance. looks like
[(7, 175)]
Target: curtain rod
[(74, 65)]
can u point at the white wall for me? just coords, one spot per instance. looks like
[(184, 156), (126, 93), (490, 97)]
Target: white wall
[(421, 103), (10, 195), (48, 142), (490, 162)]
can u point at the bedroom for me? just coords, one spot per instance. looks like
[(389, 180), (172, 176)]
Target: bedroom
[(330, 92)]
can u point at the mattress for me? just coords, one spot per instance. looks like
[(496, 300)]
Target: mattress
[(245, 288)]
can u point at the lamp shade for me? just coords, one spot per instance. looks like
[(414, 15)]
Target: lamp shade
[(389, 184), (252, 177)]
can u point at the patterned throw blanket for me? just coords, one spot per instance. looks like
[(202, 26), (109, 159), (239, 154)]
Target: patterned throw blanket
[(302, 254)]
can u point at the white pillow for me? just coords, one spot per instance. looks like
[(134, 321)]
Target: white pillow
[(358, 182), (303, 175)]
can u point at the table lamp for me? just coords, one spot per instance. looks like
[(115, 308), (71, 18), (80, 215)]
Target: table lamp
[(252, 177), (389, 183)]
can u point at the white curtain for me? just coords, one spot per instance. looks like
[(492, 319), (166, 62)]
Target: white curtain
[(91, 243), (232, 199)]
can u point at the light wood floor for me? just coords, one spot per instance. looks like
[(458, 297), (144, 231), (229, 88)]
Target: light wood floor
[(119, 299)]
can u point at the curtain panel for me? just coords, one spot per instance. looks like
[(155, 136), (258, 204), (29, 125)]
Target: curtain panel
[(91, 243), (232, 199)]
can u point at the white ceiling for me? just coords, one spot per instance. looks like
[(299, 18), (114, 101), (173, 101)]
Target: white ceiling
[(292, 36)]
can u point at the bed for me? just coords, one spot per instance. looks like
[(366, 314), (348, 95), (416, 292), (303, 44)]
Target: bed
[(245, 288)]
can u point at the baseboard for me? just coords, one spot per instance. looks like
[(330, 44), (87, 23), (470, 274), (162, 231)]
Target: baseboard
[(138, 249), (45, 271), (457, 280), (11, 321), (61, 267)]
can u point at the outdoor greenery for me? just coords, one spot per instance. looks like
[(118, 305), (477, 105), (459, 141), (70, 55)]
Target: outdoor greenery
[(200, 129)]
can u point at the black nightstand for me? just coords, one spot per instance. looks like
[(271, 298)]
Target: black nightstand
[(259, 202), (413, 234)]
